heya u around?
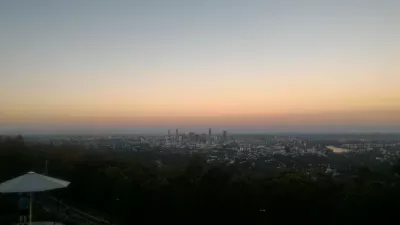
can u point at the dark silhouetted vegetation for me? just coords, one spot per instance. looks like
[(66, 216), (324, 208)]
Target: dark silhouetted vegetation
[(133, 189)]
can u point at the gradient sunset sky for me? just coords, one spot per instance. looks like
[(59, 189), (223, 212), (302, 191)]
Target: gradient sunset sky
[(250, 65)]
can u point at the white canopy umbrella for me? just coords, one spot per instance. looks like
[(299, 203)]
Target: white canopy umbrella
[(32, 182)]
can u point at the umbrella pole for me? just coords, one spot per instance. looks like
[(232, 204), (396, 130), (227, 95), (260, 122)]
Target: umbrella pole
[(30, 209)]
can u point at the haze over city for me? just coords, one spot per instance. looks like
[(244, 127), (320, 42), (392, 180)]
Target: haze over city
[(130, 66), (199, 112)]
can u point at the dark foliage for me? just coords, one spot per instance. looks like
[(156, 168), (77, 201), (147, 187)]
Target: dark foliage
[(132, 189)]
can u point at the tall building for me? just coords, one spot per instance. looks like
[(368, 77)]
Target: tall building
[(209, 141), (224, 135), (169, 132), (177, 133)]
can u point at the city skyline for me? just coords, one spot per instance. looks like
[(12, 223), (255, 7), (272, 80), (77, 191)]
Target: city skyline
[(301, 66)]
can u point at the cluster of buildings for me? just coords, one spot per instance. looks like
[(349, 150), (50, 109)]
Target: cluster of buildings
[(254, 150), (179, 140), (191, 139), (223, 148)]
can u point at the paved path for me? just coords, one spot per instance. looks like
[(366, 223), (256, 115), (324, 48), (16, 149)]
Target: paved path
[(43, 223), (68, 213)]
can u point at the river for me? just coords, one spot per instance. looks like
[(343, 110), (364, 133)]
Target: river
[(336, 149)]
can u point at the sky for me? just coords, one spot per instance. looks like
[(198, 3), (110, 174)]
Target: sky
[(290, 65)]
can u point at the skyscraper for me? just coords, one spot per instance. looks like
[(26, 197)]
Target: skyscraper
[(224, 135), (169, 132), (209, 136)]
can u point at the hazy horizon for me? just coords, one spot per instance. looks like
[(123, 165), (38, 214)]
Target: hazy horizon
[(276, 66), (149, 131)]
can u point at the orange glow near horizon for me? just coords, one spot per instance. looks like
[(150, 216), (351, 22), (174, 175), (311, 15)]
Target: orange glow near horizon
[(231, 103)]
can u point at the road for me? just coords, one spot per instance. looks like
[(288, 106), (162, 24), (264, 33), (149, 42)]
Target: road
[(66, 213)]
